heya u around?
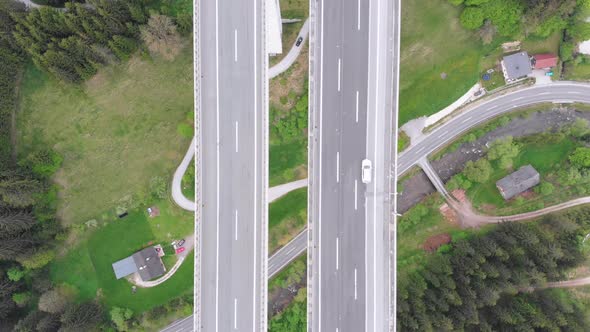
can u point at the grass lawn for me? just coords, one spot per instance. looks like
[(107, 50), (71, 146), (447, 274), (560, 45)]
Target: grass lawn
[(115, 132), (434, 42), (403, 141), (545, 158), (579, 72), (287, 162), (88, 266), (295, 9), (173, 7), (188, 181), (287, 217)]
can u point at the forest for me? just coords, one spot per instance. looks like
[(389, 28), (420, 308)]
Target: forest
[(71, 44), (488, 282)]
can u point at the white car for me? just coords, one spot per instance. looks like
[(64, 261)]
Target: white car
[(366, 170)]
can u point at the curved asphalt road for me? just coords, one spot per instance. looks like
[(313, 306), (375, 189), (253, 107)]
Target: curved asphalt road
[(290, 58), (558, 92), (177, 194)]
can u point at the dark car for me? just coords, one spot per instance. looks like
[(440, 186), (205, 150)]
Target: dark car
[(180, 243), (299, 40)]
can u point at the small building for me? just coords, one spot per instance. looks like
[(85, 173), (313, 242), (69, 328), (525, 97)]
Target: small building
[(518, 182), (146, 262), (516, 66), (544, 61)]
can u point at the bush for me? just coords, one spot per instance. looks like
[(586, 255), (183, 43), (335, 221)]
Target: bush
[(21, 299), (185, 130), (566, 50), (38, 260), (120, 316), (43, 163), (580, 158), (158, 187), (52, 301), (15, 274), (478, 171), (545, 188)]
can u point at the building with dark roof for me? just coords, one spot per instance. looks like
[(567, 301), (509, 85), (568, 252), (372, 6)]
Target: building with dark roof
[(146, 262), (520, 181), (544, 61), (516, 66)]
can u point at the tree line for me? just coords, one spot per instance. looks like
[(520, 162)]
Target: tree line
[(478, 284), (73, 44), (522, 18)]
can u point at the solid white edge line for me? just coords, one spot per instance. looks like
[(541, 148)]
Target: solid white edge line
[(217, 161), (319, 281), (376, 175), (255, 166)]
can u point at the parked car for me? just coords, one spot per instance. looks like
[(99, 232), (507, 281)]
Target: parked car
[(180, 243), (299, 40), (179, 250)]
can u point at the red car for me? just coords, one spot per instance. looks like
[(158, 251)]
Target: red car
[(179, 250)]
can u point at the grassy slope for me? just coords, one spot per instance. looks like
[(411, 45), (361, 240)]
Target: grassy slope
[(115, 133), (287, 217), (433, 42)]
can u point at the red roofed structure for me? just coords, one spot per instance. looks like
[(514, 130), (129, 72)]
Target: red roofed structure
[(546, 60)]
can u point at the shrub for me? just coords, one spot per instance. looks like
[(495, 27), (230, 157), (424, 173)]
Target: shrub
[(15, 274), (52, 301), (38, 260), (545, 188), (43, 162), (158, 187), (120, 316), (185, 130)]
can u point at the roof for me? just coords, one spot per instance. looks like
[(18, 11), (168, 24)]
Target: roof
[(546, 60), (124, 267), (517, 65), (149, 264), (525, 178)]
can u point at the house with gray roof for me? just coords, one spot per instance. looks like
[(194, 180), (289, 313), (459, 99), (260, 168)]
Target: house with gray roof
[(518, 182), (516, 66), (146, 262)]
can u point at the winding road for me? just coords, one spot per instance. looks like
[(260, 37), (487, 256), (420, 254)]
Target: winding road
[(488, 108)]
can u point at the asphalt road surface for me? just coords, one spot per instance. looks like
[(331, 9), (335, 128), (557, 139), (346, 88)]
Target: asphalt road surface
[(479, 112), (350, 92), (276, 263), (232, 152)]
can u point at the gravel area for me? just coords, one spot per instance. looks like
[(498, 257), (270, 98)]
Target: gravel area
[(418, 186)]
